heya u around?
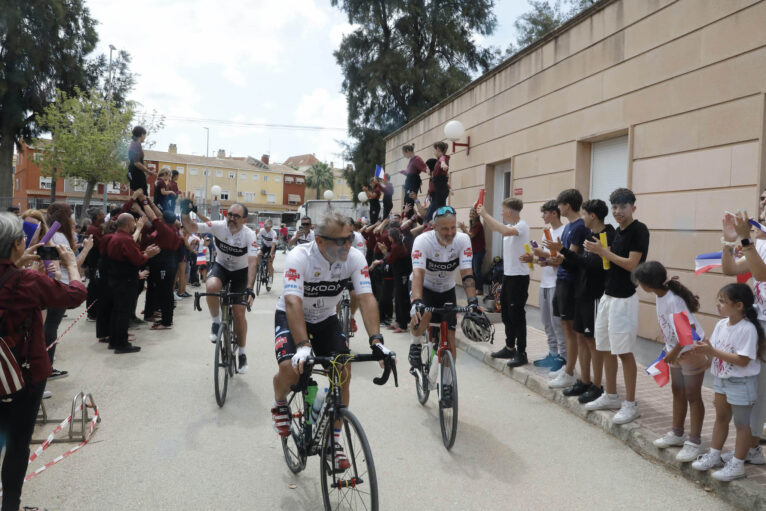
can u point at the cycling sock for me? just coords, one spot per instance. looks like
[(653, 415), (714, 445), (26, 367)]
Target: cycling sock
[(416, 339), (336, 436), (217, 319), (241, 350), (280, 403)]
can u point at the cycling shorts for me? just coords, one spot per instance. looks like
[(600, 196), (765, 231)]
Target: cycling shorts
[(326, 337), (436, 299), (265, 249), (237, 278)]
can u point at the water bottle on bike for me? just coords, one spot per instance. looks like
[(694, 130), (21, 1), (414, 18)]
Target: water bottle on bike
[(318, 403)]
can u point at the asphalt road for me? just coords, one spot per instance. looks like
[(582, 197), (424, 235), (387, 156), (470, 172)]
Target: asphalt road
[(165, 444)]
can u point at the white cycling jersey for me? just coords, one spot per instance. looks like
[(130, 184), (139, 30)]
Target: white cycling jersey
[(305, 238), (267, 238), (441, 263), (359, 243), (319, 284), (232, 250)]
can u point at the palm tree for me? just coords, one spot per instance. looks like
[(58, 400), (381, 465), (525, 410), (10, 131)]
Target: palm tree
[(320, 176)]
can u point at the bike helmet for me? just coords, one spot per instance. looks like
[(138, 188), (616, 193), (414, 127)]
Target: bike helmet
[(477, 327)]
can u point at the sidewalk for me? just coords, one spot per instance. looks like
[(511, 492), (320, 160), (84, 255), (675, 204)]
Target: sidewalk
[(655, 404)]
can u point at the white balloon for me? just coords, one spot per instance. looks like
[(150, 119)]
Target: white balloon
[(454, 130), (362, 196), (215, 190), (328, 195)]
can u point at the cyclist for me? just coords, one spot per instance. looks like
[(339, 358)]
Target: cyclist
[(303, 235), (306, 320), (436, 256), (267, 241), (235, 263)]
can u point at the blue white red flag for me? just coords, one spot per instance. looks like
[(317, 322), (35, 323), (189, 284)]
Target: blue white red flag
[(379, 172), (706, 262), (659, 370)]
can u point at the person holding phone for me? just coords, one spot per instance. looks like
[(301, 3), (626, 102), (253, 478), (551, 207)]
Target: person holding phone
[(303, 235)]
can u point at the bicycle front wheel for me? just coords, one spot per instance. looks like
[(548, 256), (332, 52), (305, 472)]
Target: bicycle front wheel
[(221, 367), (421, 374), (293, 445), (448, 399), (258, 279), (349, 485)]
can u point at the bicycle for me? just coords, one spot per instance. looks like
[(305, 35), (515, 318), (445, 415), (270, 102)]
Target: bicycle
[(225, 361), (262, 275), (446, 381), (345, 314), (311, 433)]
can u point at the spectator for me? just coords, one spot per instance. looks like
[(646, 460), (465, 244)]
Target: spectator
[(22, 295), (35, 216), (438, 186), (14, 209), (137, 171), (415, 166), (173, 186), (373, 198), (388, 197), (162, 190), (478, 246), (515, 289), (397, 258), (95, 229)]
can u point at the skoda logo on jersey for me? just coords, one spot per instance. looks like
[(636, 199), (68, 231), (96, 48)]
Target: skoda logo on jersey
[(439, 266), (315, 289)]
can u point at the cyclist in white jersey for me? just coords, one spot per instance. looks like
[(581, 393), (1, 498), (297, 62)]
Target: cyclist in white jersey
[(267, 241), (437, 256), (235, 263), (306, 320), (304, 234)]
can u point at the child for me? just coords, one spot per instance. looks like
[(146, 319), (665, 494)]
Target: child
[(736, 345), (687, 370)]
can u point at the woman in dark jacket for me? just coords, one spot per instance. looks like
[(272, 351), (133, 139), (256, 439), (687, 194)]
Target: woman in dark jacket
[(22, 296), (398, 258), (438, 187)]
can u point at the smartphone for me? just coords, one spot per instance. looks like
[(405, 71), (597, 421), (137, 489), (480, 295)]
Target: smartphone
[(48, 253)]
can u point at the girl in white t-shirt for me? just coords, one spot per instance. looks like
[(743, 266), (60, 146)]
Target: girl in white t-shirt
[(736, 346), (687, 369)]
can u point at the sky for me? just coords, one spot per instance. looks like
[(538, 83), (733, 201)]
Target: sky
[(203, 63)]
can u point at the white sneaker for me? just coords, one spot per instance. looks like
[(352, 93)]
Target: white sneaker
[(628, 413), (562, 381), (689, 452), (708, 461), (552, 374), (730, 472), (669, 440), (754, 456), (604, 402), (47, 394)]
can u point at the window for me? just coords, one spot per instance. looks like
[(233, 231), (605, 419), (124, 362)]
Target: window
[(243, 175), (193, 172), (113, 187), (232, 175), (37, 156), (608, 170), (277, 179), (339, 181), (265, 178), (288, 179), (17, 184), (198, 193), (78, 185), (271, 198), (224, 194), (249, 197), (255, 177), (219, 173), (299, 181), (45, 182)]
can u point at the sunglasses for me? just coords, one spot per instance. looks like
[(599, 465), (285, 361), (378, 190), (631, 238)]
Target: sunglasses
[(340, 241), (305, 225), (445, 210), (233, 216)]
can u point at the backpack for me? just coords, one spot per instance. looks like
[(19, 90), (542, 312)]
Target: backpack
[(11, 378)]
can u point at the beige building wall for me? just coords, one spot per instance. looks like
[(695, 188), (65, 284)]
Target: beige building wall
[(684, 80)]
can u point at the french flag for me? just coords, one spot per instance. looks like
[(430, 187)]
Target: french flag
[(705, 262), (659, 370), (379, 172), (684, 332)]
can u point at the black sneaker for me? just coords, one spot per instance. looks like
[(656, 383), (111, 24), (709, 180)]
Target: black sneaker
[(57, 374), (505, 352), (415, 361), (242, 364), (214, 332), (519, 360), (578, 389), (136, 321), (591, 394), (127, 348), (446, 398)]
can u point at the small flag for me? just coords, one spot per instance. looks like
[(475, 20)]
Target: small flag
[(659, 370), (30, 229), (757, 225), (379, 172), (684, 331), (706, 262)]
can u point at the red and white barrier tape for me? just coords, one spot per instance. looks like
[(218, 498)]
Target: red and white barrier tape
[(72, 325), (48, 440)]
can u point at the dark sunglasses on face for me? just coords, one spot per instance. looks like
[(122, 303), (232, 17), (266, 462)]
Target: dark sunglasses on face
[(305, 225), (233, 216), (340, 241)]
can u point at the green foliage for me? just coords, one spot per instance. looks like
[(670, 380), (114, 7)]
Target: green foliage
[(320, 177), (405, 57), (43, 47), (544, 17)]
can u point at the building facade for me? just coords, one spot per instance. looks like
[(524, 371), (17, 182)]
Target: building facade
[(666, 97)]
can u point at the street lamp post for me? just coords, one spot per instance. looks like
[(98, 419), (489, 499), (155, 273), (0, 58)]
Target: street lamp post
[(109, 98)]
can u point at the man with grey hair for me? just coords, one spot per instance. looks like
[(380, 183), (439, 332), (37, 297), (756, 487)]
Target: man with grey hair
[(315, 275)]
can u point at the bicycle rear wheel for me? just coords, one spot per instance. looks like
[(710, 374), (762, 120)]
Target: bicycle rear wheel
[(231, 345), (258, 279), (448, 399), (421, 374), (221, 367), (293, 445), (356, 487)]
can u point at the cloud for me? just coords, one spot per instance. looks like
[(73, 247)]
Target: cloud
[(320, 107)]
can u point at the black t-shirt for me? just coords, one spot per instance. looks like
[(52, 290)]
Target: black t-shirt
[(591, 275), (135, 154), (574, 234), (634, 238)]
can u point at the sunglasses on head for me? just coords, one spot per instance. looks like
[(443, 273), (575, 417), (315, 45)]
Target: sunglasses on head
[(445, 210), (340, 241), (233, 216)]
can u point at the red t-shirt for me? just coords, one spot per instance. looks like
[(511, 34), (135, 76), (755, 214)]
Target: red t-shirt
[(478, 243)]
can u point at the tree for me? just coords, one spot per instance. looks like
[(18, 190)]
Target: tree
[(404, 58), (89, 139), (544, 17), (320, 177), (43, 47)]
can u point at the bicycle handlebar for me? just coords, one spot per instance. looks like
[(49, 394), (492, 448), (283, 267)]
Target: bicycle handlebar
[(437, 310), (389, 366), (198, 295)]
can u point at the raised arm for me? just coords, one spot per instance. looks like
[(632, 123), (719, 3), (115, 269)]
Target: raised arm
[(495, 225)]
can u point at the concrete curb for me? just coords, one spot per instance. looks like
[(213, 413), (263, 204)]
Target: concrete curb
[(741, 493)]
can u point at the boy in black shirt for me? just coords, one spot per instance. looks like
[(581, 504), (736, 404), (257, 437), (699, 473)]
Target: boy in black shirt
[(589, 287), (617, 318)]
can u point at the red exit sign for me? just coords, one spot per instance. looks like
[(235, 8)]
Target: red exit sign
[(518, 191)]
